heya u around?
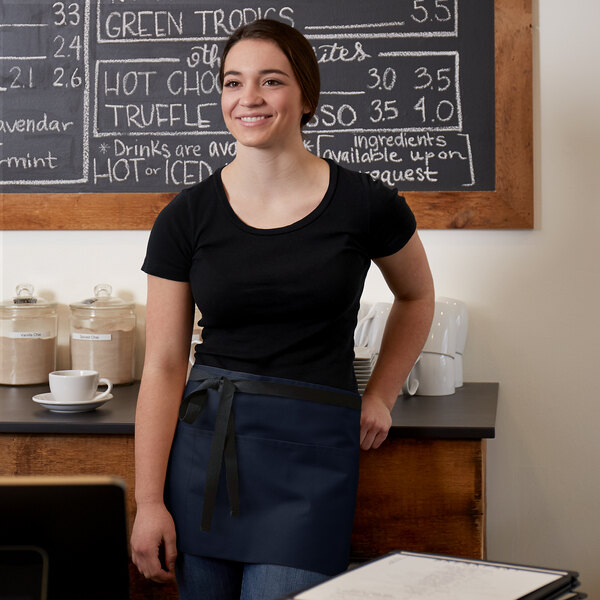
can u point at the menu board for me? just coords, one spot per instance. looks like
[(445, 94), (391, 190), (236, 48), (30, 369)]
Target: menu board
[(123, 95)]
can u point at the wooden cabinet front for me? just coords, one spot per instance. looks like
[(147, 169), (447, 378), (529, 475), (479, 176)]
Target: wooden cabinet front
[(420, 495), (423, 496)]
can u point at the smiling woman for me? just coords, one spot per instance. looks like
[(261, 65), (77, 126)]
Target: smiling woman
[(274, 249)]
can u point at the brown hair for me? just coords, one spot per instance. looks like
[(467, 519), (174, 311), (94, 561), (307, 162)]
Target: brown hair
[(296, 48)]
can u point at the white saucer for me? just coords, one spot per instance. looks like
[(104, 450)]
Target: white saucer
[(48, 401)]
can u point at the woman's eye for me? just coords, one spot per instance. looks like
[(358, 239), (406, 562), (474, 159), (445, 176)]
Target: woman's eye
[(271, 82), (231, 84)]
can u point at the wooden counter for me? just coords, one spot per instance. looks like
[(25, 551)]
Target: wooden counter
[(423, 490)]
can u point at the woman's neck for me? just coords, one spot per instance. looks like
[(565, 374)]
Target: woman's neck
[(266, 172), (268, 190)]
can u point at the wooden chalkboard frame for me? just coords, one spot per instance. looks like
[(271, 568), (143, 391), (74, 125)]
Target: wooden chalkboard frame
[(510, 206)]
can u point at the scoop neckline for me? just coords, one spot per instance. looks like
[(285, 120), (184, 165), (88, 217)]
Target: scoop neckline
[(303, 222)]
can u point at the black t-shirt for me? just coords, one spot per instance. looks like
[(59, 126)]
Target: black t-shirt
[(280, 302)]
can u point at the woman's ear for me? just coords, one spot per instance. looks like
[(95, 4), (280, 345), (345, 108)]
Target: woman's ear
[(306, 111)]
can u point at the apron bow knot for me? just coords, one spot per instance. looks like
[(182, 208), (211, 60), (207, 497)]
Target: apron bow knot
[(222, 445)]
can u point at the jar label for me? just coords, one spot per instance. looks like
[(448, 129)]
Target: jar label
[(94, 337), (29, 335)]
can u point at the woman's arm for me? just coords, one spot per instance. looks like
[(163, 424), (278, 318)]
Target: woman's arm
[(169, 316), (409, 278)]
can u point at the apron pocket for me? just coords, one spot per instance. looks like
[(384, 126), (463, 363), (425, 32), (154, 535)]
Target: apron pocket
[(296, 504)]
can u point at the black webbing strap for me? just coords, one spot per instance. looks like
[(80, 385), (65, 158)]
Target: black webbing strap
[(223, 441)]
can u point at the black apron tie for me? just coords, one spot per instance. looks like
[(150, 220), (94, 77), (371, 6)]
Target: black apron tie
[(222, 444), (223, 441)]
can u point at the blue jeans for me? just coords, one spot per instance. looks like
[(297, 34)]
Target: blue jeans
[(200, 578)]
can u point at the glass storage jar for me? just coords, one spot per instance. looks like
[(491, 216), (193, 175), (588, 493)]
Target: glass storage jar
[(103, 335), (28, 330)]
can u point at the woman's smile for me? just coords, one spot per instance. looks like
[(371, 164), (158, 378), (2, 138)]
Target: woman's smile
[(254, 119)]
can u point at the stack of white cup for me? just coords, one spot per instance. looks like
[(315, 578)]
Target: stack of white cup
[(369, 333), (439, 371)]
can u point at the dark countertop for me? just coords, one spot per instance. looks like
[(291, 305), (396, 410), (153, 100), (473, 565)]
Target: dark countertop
[(20, 414), (470, 413)]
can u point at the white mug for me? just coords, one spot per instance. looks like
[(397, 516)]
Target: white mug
[(411, 385), (436, 375), (459, 313), (442, 335), (369, 330), (73, 386), (458, 370)]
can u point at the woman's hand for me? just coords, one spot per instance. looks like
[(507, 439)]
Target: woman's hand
[(375, 422), (152, 528)]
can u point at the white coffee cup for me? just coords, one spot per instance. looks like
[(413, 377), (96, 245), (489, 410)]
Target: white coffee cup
[(436, 374), (411, 385), (442, 335), (459, 313), (73, 386), (369, 329)]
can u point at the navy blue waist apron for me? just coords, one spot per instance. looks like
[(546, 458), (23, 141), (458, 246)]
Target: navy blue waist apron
[(265, 470)]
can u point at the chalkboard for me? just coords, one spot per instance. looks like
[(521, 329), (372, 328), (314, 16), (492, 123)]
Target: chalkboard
[(112, 101)]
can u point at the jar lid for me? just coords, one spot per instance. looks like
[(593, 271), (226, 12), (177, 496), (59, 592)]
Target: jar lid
[(25, 299), (102, 299)]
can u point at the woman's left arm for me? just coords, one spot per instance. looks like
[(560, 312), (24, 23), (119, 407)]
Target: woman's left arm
[(409, 278)]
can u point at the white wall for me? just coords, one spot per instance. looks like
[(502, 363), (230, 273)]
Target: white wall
[(534, 316), (532, 296)]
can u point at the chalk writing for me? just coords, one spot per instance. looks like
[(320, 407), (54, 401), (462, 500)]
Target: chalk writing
[(122, 96)]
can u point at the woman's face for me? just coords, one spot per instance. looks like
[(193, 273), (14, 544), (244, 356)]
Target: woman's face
[(261, 101)]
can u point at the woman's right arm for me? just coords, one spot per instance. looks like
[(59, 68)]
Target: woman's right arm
[(169, 316)]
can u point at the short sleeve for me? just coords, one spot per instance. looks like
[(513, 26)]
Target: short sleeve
[(391, 221), (169, 251)]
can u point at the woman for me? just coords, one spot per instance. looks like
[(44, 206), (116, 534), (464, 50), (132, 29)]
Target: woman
[(249, 485)]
